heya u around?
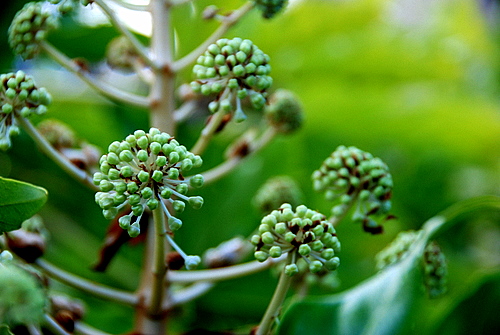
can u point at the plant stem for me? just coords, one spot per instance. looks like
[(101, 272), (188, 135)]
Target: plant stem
[(56, 156), (53, 326), (227, 23), (229, 165), (131, 6), (225, 273), (207, 133), (162, 95), (159, 265), (101, 87), (84, 329), (279, 296), (188, 294), (86, 285)]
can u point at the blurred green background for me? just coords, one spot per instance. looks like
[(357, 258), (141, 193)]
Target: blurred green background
[(415, 83)]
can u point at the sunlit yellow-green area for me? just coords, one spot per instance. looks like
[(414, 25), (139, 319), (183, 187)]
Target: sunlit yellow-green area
[(413, 82)]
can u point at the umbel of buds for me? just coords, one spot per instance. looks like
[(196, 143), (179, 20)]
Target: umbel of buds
[(270, 8), (303, 234), (19, 97), (351, 175), (233, 70), (22, 300), (66, 6), (435, 270), (29, 27), (120, 54), (146, 170), (276, 191), (284, 112)]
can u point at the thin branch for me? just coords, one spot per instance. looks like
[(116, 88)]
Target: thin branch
[(225, 273), (101, 87), (185, 110), (86, 285), (138, 47), (131, 6), (53, 326), (71, 169), (188, 294), (208, 132), (229, 165), (228, 22), (159, 266), (85, 329)]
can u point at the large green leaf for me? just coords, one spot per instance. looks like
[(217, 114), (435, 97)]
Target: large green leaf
[(18, 202), (382, 304)]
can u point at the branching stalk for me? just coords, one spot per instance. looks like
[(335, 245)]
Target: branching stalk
[(225, 273), (188, 294), (207, 133), (131, 6), (99, 86), (228, 22), (56, 156), (86, 285), (53, 326)]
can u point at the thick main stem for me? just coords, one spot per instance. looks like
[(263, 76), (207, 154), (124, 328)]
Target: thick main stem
[(151, 318)]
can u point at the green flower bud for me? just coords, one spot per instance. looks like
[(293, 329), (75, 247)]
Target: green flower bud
[(195, 202), (261, 256), (192, 262), (351, 176), (28, 27), (284, 112), (174, 223), (291, 270)]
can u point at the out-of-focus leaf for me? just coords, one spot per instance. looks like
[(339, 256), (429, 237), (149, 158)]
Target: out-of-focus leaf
[(5, 330), (18, 202), (383, 303)]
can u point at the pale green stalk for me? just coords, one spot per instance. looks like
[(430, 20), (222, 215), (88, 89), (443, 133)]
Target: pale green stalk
[(273, 309), (159, 266), (225, 273), (207, 133), (99, 86), (55, 155), (86, 285), (53, 326)]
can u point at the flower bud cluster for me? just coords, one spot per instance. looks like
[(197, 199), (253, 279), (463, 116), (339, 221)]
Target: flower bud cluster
[(120, 53), (304, 234), (270, 8), (66, 6), (233, 70), (435, 270), (397, 250), (29, 27), (284, 112), (19, 97), (146, 170), (22, 299), (276, 191), (350, 174)]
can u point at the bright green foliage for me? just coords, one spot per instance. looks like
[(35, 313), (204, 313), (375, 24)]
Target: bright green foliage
[(277, 191), (146, 170), (284, 112), (384, 303), (304, 233), (270, 8), (29, 27), (22, 300), (19, 97), (350, 174), (233, 70), (18, 202)]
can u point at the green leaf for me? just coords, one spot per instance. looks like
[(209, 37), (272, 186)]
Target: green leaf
[(383, 303), (5, 330), (18, 202)]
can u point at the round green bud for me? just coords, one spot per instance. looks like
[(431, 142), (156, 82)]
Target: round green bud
[(166, 193), (196, 181), (192, 262), (261, 256), (304, 250), (143, 176), (174, 223), (124, 221), (275, 251), (291, 269), (315, 266), (133, 231), (157, 176), (178, 206), (196, 202)]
